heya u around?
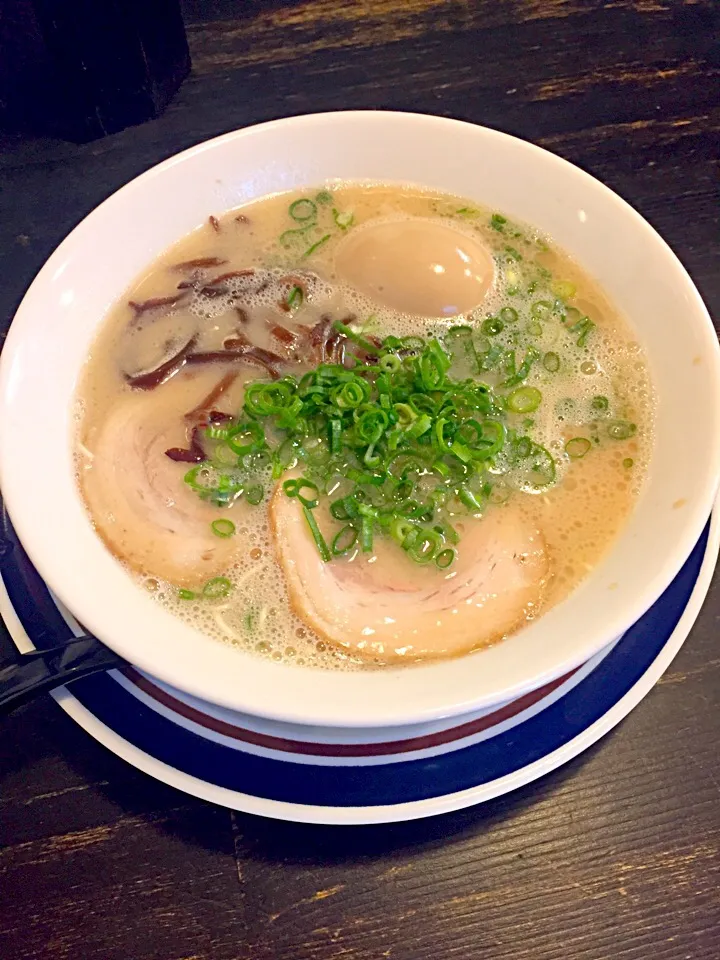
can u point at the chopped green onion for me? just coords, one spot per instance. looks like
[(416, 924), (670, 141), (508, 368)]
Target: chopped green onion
[(223, 528), (523, 371), (246, 438), (344, 541), (401, 438), (335, 435), (600, 403), (414, 344), (492, 326), (343, 220), (421, 546), (348, 332), (216, 432), (513, 254), (390, 363), (294, 488), (620, 429), (315, 246), (445, 558), (254, 494), (324, 197), (184, 594), (541, 309), (577, 447), (628, 462), (468, 498), (497, 222), (295, 298), (217, 588), (524, 400), (317, 536), (583, 328), (551, 362), (366, 534), (447, 531), (303, 210)]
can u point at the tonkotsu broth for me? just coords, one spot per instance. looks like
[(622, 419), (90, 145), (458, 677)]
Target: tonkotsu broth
[(601, 393)]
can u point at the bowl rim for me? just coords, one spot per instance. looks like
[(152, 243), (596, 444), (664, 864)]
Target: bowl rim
[(389, 713)]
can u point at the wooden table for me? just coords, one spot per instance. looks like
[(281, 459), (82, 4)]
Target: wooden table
[(614, 857)]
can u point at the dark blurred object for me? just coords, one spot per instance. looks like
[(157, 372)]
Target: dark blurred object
[(80, 69), (28, 675)]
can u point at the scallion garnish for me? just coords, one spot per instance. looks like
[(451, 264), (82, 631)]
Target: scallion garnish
[(524, 400), (295, 298), (343, 219), (303, 210), (317, 536), (294, 488), (541, 309), (445, 558), (223, 528), (577, 447), (551, 362), (621, 429), (217, 588), (344, 541), (406, 442), (315, 246), (492, 326)]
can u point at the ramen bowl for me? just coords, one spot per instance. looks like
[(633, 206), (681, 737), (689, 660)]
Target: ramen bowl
[(57, 321)]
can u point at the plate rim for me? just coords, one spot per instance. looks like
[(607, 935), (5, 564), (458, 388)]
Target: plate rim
[(433, 806)]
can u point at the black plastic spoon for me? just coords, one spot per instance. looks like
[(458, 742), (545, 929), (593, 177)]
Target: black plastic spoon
[(27, 675)]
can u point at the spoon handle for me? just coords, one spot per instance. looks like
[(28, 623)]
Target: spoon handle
[(30, 674)]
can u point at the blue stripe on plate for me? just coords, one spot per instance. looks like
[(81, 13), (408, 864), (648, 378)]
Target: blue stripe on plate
[(400, 782)]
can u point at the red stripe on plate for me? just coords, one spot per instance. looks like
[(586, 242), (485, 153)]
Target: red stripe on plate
[(343, 749)]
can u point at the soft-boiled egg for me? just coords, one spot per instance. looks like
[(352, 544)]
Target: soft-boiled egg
[(416, 266)]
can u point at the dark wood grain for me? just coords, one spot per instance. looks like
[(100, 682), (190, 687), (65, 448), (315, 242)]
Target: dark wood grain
[(614, 857)]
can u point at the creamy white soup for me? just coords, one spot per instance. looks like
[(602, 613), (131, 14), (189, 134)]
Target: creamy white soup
[(362, 425)]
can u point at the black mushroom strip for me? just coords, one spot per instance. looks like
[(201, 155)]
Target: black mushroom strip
[(320, 333), (272, 362), (149, 379), (200, 411), (218, 286), (237, 341), (157, 303), (192, 454), (201, 416), (200, 263), (285, 336)]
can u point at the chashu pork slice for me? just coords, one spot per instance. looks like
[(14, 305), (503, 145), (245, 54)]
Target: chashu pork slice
[(385, 607), (140, 505)]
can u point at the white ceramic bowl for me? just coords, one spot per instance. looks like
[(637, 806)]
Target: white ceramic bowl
[(59, 316)]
